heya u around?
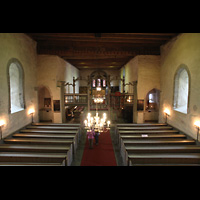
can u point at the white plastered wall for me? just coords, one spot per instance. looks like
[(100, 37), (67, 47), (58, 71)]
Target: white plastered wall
[(22, 48), (184, 50)]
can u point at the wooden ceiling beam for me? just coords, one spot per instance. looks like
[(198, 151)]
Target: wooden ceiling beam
[(105, 37), (62, 36), (144, 41), (100, 50)]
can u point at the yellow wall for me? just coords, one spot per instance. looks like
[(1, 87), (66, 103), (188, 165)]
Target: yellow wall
[(21, 47), (182, 50)]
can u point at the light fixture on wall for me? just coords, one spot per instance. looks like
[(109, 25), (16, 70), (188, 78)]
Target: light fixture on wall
[(31, 112), (2, 123), (167, 114), (197, 125)]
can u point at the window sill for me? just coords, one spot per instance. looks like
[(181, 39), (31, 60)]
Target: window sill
[(16, 109), (181, 109)]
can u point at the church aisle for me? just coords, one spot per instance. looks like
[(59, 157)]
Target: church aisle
[(101, 154)]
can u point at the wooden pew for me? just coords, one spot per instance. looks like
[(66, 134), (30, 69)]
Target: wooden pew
[(47, 131), (151, 144), (36, 148), (56, 124), (34, 133), (152, 136), (143, 128), (41, 144), (67, 149), (34, 157), (149, 132), (165, 165), (29, 164), (57, 127), (40, 141), (161, 149), (141, 125), (125, 143), (145, 134), (161, 158), (44, 141), (149, 136), (164, 149), (49, 136), (43, 135), (53, 127)]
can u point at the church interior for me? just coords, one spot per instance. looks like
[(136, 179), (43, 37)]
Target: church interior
[(139, 91)]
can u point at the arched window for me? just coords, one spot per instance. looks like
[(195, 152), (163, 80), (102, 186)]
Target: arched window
[(181, 90), (16, 92)]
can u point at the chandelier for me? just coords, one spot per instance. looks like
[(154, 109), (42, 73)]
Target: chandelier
[(98, 100), (96, 122)]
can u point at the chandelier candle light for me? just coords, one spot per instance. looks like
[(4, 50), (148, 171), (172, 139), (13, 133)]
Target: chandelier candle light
[(96, 122)]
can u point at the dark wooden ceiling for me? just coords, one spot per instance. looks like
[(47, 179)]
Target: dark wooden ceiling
[(100, 50)]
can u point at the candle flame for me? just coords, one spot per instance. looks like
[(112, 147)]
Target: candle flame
[(166, 111), (197, 124), (31, 111), (2, 122)]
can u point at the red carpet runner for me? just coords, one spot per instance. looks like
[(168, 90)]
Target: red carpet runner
[(102, 154)]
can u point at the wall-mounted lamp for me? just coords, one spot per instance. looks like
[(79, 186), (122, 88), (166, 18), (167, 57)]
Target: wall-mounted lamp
[(31, 112), (197, 125), (2, 123), (167, 114)]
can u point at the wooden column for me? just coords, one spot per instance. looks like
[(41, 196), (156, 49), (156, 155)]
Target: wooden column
[(74, 89), (62, 102), (88, 92), (108, 81), (135, 102)]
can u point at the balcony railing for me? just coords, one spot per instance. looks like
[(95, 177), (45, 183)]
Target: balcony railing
[(115, 101), (118, 101), (76, 99)]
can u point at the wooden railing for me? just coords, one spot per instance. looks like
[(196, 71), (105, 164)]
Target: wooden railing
[(115, 100), (76, 99)]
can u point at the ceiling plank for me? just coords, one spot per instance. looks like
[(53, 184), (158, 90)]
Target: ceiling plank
[(100, 50)]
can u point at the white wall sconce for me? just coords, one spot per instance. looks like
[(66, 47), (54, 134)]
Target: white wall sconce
[(2, 123), (31, 112), (167, 114), (197, 125)]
